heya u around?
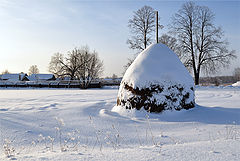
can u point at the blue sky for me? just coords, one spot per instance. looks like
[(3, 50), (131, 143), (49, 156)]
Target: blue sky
[(31, 31)]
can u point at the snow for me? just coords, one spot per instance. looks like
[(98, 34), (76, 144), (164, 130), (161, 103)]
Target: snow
[(210, 131), (236, 84), (13, 77), (156, 64), (156, 79), (35, 77)]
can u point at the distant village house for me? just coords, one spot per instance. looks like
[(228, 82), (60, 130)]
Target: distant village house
[(25, 77), (14, 77), (41, 77)]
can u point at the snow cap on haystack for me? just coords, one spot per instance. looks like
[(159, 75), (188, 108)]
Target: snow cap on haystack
[(156, 81)]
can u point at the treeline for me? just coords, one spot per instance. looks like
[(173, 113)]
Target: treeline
[(221, 80), (218, 80)]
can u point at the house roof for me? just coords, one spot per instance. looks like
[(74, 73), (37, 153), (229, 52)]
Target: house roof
[(34, 77), (13, 77)]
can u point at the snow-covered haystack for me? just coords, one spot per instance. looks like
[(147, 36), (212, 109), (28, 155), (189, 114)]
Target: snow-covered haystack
[(236, 84), (156, 81)]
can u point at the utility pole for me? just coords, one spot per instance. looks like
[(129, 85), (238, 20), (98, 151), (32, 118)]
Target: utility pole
[(157, 26)]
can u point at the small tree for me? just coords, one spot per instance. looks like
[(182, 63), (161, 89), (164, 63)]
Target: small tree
[(33, 70), (6, 72)]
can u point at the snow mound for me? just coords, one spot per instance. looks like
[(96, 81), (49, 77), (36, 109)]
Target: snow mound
[(156, 81), (236, 84)]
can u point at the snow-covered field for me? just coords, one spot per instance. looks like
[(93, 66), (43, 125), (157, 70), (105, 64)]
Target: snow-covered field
[(79, 125)]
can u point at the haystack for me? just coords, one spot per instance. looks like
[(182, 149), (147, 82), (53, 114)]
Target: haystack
[(156, 81)]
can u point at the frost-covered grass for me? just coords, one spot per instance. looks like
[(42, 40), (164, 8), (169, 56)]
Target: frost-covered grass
[(80, 125)]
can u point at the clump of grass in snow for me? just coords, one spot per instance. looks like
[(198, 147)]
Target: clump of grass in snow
[(98, 134), (71, 139), (47, 141), (149, 128), (232, 132), (113, 137), (60, 124), (9, 150)]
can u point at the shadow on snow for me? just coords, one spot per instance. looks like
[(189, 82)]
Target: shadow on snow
[(202, 114)]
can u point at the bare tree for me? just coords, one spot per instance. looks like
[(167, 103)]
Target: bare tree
[(142, 26), (201, 41), (79, 64), (6, 72), (33, 70)]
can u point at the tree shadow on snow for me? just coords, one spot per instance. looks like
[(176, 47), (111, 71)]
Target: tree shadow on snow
[(202, 114)]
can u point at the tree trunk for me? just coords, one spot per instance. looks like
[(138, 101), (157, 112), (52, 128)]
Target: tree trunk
[(145, 40), (196, 76)]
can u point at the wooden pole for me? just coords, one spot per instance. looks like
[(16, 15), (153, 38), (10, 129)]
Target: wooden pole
[(157, 26)]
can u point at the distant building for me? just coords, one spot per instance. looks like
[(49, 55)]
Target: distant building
[(41, 77), (14, 77)]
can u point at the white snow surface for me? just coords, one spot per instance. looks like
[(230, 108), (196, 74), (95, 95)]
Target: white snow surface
[(91, 131), (157, 64), (236, 84)]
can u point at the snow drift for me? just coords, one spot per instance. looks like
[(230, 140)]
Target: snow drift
[(156, 81), (236, 84)]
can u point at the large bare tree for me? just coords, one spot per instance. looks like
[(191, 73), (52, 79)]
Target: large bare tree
[(142, 25), (80, 64), (201, 41), (33, 70)]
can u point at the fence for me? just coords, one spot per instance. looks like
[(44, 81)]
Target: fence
[(57, 84), (49, 84)]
